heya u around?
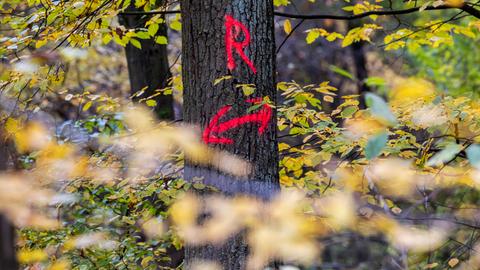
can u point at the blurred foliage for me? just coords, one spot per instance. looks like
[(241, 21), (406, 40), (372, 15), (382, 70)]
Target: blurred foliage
[(452, 68)]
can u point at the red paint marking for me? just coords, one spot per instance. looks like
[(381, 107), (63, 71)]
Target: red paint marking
[(233, 28), (214, 129)]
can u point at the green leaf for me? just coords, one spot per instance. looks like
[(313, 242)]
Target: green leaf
[(349, 111), (161, 40), (106, 38), (136, 43), (247, 89), (375, 145), (146, 261), (128, 220), (473, 154), (176, 25), (379, 108), (118, 40), (254, 107), (342, 72), (445, 155), (152, 29), (278, 3), (143, 35), (375, 81)]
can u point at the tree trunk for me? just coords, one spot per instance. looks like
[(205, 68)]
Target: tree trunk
[(148, 66), (8, 254), (360, 63), (210, 29)]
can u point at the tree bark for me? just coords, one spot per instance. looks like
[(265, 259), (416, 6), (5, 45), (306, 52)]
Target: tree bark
[(204, 59), (148, 66), (8, 254)]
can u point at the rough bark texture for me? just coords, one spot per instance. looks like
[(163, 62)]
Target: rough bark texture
[(8, 255), (148, 66), (205, 60)]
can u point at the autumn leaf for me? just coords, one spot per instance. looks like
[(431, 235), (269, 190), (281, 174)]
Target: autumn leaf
[(287, 26)]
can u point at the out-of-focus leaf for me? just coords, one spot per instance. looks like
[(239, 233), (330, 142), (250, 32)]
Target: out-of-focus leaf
[(375, 81), (30, 256), (375, 145), (445, 155), (453, 262), (342, 72), (380, 108), (349, 111), (473, 154)]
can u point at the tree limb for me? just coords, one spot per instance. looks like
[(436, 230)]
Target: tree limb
[(466, 7)]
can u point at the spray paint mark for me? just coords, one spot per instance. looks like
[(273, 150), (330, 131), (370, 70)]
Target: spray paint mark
[(234, 28), (212, 134)]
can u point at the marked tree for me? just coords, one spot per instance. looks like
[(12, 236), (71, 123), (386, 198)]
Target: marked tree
[(231, 38)]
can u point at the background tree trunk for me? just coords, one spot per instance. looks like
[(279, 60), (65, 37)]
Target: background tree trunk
[(8, 254), (204, 60), (148, 66), (360, 63)]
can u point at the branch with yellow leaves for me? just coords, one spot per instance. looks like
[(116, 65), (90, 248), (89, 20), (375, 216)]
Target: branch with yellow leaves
[(468, 8)]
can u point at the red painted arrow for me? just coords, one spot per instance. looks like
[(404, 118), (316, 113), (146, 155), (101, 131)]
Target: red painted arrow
[(214, 129)]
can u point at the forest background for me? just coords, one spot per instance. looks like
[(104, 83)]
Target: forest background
[(239, 134)]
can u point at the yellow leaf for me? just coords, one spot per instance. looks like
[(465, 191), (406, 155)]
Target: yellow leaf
[(40, 43), (30, 256), (106, 38), (146, 260), (409, 90), (454, 3), (185, 211), (278, 3), (286, 181), (328, 99), (87, 106), (431, 266), (453, 262), (12, 126), (312, 36), (176, 25), (287, 26), (60, 265), (151, 103)]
